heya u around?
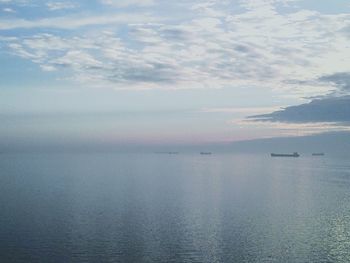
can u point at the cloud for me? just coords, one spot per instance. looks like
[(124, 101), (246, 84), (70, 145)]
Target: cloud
[(331, 111), (124, 3), (336, 110), (16, 2), (340, 80), (73, 22), (8, 10), (53, 6), (205, 44), (238, 110)]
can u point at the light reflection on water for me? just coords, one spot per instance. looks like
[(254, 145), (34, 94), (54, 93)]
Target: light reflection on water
[(178, 208)]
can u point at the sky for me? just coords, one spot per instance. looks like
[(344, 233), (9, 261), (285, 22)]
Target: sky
[(179, 72)]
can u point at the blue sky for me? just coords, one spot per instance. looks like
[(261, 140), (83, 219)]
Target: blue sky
[(155, 71)]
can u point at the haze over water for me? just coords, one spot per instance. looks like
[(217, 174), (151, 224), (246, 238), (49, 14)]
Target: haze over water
[(173, 208)]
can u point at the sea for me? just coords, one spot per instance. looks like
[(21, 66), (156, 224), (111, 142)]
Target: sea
[(114, 207)]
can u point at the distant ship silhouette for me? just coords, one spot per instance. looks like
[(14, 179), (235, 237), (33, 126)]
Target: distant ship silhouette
[(295, 154)]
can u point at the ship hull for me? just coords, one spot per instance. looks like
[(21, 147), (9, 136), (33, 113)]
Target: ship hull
[(294, 155)]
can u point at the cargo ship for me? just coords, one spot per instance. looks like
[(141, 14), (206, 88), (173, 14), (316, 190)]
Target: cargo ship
[(295, 154)]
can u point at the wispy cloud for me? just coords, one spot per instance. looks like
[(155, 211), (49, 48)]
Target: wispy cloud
[(73, 22), (239, 110), (17, 2), (53, 6), (214, 47), (8, 10), (123, 3)]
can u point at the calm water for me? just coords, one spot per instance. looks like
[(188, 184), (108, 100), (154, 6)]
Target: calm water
[(173, 208)]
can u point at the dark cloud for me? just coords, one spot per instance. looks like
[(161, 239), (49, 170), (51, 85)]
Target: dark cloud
[(242, 48), (346, 30), (336, 109), (341, 80), (175, 34), (154, 73)]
